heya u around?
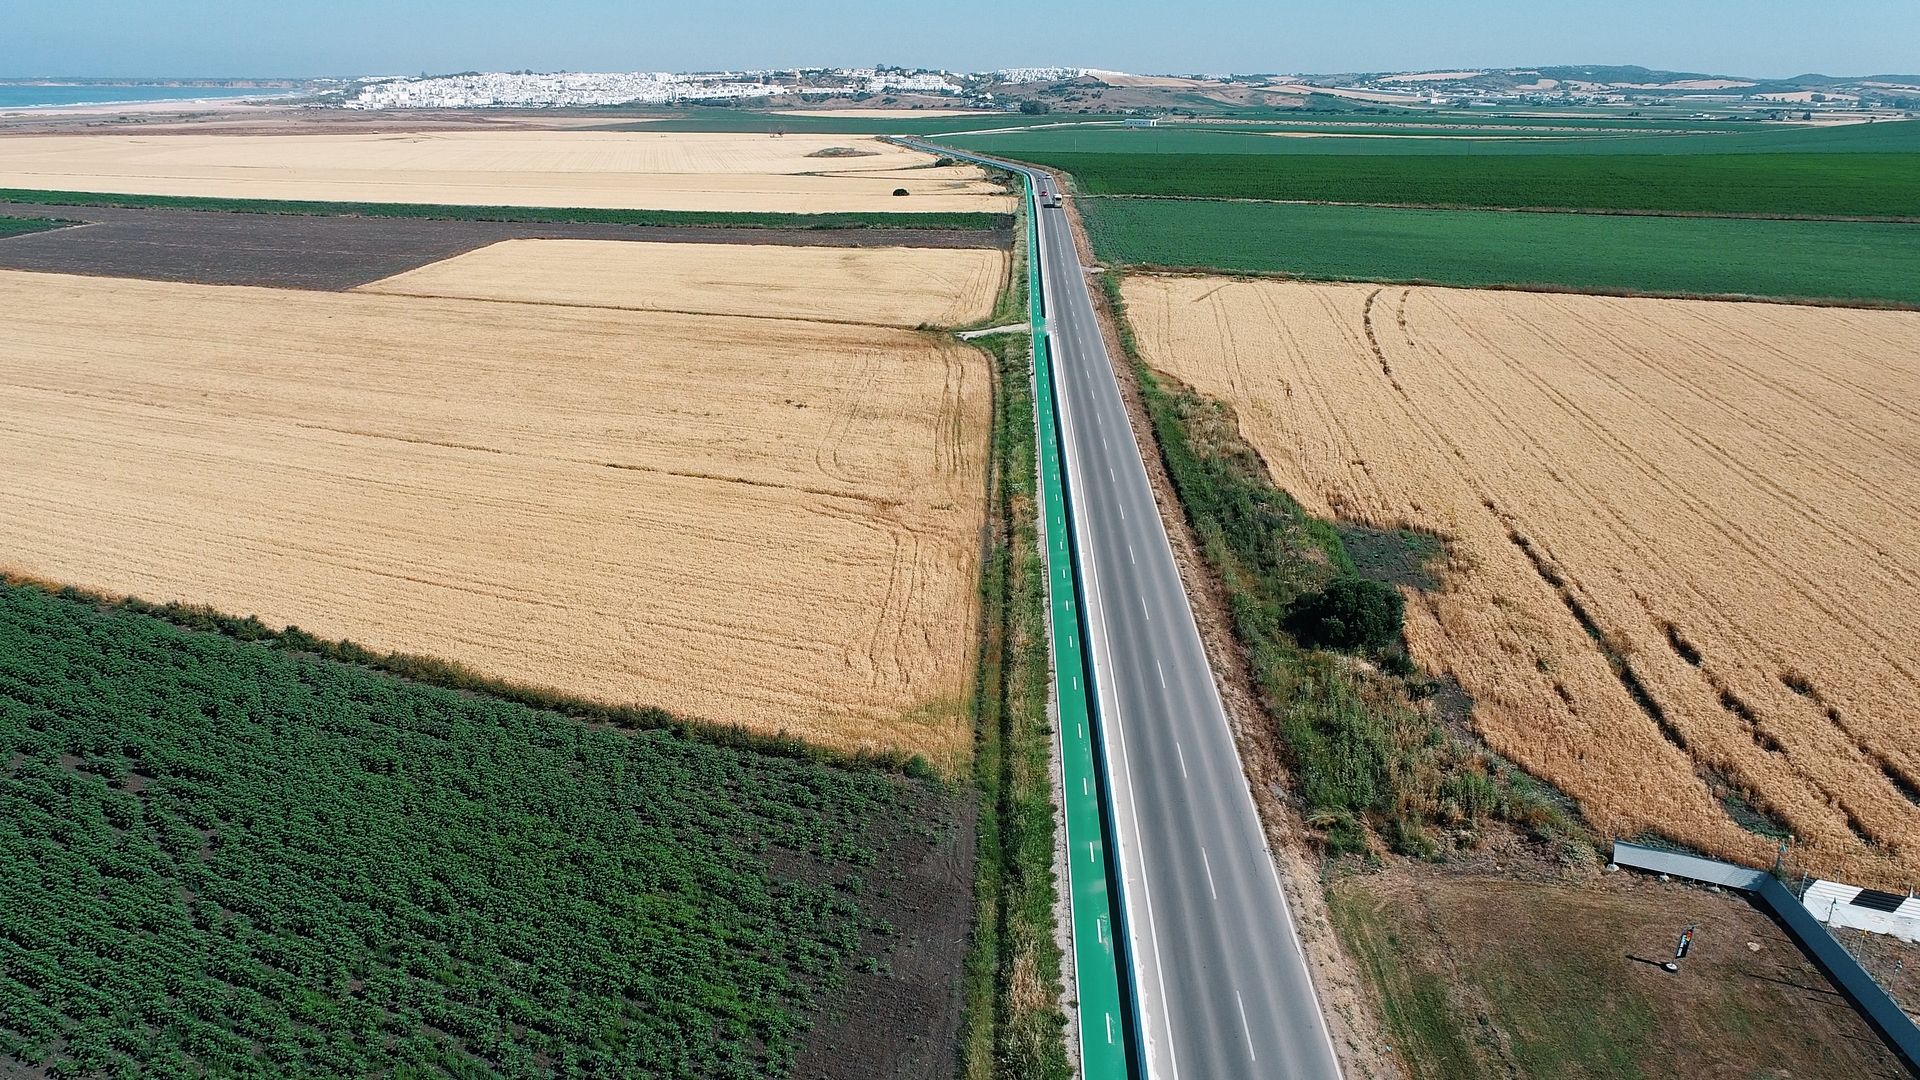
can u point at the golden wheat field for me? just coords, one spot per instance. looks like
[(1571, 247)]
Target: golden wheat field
[(1727, 494), (893, 286), (644, 170), (775, 523)]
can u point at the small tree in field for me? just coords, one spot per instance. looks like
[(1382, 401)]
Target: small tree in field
[(1351, 614)]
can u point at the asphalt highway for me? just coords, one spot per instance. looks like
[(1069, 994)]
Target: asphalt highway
[(1222, 984)]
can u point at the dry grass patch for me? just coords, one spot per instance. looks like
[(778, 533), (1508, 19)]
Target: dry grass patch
[(1482, 977), (748, 520), (1684, 572), (894, 286), (645, 170)]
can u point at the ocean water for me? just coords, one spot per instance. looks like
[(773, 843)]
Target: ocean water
[(19, 96)]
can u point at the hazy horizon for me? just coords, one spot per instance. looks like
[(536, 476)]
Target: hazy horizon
[(55, 76), (127, 39)]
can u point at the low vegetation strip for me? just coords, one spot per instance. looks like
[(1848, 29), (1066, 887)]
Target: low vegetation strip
[(11, 226), (1679, 579), (1883, 186), (219, 856), (554, 214), (1016, 1029), (1849, 262)]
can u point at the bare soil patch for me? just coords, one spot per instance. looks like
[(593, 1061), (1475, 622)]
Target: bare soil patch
[(1682, 575), (892, 286), (900, 1021), (754, 521), (296, 252), (621, 170)]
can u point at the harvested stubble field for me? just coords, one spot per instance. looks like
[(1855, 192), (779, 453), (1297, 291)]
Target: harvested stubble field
[(892, 286), (643, 170), (1682, 569), (774, 523)]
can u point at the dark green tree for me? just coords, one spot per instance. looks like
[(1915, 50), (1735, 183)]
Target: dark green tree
[(1351, 614)]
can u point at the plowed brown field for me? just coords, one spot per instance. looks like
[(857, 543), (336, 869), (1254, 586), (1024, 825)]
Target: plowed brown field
[(643, 170), (775, 523), (894, 286), (1683, 539)]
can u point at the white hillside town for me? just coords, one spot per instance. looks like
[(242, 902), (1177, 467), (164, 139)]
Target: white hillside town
[(575, 89)]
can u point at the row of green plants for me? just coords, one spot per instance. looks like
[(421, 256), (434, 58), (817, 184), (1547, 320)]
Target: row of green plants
[(1368, 743), (12, 226), (1015, 1027), (238, 857), (943, 221)]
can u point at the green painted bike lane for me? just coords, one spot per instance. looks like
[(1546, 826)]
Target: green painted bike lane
[(1104, 1027)]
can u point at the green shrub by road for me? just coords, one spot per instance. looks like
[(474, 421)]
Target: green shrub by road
[(1847, 261)]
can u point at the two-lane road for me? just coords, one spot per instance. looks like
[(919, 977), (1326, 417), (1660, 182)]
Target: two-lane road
[(1223, 987)]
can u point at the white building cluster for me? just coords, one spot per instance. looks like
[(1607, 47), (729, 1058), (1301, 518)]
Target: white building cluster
[(1037, 74), (894, 82), (559, 90)]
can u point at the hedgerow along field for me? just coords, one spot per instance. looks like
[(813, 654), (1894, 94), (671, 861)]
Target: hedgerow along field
[(1855, 262), (10, 226), (1679, 578), (229, 857)]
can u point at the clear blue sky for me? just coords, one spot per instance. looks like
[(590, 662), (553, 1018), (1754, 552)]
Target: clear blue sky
[(350, 37)]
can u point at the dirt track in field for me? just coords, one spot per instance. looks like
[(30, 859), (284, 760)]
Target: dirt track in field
[(301, 252), (1683, 554), (889, 286), (773, 523), (639, 170)]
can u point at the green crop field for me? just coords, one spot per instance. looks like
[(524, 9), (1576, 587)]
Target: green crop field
[(1852, 261), (1801, 185), (228, 857), (714, 219), (1469, 137)]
